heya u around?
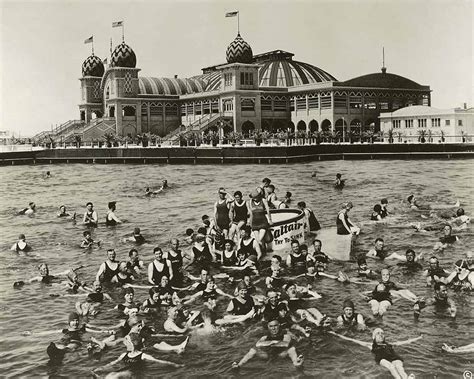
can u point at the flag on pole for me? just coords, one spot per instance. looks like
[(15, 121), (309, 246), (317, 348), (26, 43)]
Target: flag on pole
[(116, 24), (89, 40), (232, 14)]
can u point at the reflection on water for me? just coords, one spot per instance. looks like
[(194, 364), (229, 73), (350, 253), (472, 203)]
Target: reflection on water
[(193, 189)]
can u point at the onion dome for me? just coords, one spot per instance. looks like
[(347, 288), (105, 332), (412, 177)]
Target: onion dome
[(239, 51), (93, 66), (123, 56)]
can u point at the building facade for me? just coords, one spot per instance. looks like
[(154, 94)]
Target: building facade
[(269, 91), (430, 124)]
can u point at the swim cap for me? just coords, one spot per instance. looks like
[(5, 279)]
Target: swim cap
[(21, 237), (112, 204), (189, 232), (348, 304), (222, 191), (266, 180), (377, 208), (375, 332), (384, 201), (461, 264), (460, 212), (73, 316), (136, 231)]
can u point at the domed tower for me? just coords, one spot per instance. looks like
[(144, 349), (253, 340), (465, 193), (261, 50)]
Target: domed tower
[(91, 94), (120, 88), (239, 51), (239, 79)]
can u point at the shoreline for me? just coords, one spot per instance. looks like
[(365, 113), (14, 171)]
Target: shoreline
[(238, 155)]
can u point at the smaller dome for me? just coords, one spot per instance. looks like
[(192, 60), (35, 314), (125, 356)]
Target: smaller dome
[(123, 56), (239, 51), (93, 66)]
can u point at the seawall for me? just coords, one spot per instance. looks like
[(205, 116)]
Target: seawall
[(238, 154)]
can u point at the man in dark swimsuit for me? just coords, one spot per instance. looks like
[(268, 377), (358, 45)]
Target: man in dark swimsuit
[(276, 342), (440, 301), (109, 268)]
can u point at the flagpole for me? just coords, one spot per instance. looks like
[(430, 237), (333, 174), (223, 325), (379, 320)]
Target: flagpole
[(123, 38), (238, 22), (92, 44)]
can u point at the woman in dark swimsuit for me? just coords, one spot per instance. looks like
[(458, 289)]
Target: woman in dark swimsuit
[(241, 214), (259, 211), (134, 357), (385, 356), (223, 213)]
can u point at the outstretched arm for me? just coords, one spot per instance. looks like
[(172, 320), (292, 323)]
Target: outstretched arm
[(362, 343), (153, 359), (399, 343)]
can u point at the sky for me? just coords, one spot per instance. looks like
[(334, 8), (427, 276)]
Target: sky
[(42, 44)]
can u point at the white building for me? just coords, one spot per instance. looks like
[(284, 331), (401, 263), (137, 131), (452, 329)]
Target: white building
[(411, 124)]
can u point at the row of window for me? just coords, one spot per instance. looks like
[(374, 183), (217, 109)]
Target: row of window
[(423, 123)]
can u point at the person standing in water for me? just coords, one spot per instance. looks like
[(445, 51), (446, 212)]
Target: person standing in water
[(111, 219), (90, 216), (344, 225), (260, 217), (223, 213)]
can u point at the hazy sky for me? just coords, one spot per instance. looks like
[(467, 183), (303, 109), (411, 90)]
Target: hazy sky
[(42, 44)]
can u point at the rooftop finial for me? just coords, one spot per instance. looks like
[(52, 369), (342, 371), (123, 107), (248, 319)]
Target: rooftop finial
[(384, 69)]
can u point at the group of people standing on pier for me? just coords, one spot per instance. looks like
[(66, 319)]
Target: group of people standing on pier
[(230, 248)]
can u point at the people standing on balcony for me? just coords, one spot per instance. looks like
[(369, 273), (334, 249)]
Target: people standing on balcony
[(90, 216)]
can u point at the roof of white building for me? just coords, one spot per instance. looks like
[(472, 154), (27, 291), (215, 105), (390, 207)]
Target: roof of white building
[(416, 111)]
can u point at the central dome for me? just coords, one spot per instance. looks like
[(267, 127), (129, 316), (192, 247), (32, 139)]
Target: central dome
[(123, 56), (239, 51), (93, 66)]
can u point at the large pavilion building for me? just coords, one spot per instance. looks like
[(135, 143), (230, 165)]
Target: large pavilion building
[(270, 91)]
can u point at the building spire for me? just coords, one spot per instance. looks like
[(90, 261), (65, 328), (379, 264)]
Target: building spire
[(384, 69)]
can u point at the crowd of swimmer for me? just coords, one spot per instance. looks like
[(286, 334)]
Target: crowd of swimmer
[(229, 247)]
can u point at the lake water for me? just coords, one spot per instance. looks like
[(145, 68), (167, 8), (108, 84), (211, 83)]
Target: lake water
[(193, 189)]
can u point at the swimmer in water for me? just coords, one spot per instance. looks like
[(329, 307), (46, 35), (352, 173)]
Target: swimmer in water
[(440, 301), (136, 237), (21, 246), (28, 211), (339, 183), (349, 318), (63, 213), (88, 242), (71, 340), (384, 203), (461, 349), (343, 224), (446, 240), (384, 354), (134, 264), (434, 273), (90, 216), (44, 275), (377, 213), (134, 356), (111, 219), (461, 279), (47, 175), (276, 343)]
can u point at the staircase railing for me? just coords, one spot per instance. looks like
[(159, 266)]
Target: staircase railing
[(197, 125)]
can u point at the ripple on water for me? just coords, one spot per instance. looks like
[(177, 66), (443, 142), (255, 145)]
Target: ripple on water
[(192, 193)]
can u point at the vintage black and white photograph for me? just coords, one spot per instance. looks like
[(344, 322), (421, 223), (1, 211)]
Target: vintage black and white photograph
[(236, 189)]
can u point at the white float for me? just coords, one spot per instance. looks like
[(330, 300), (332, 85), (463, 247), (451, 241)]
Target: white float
[(336, 246), (288, 225)]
